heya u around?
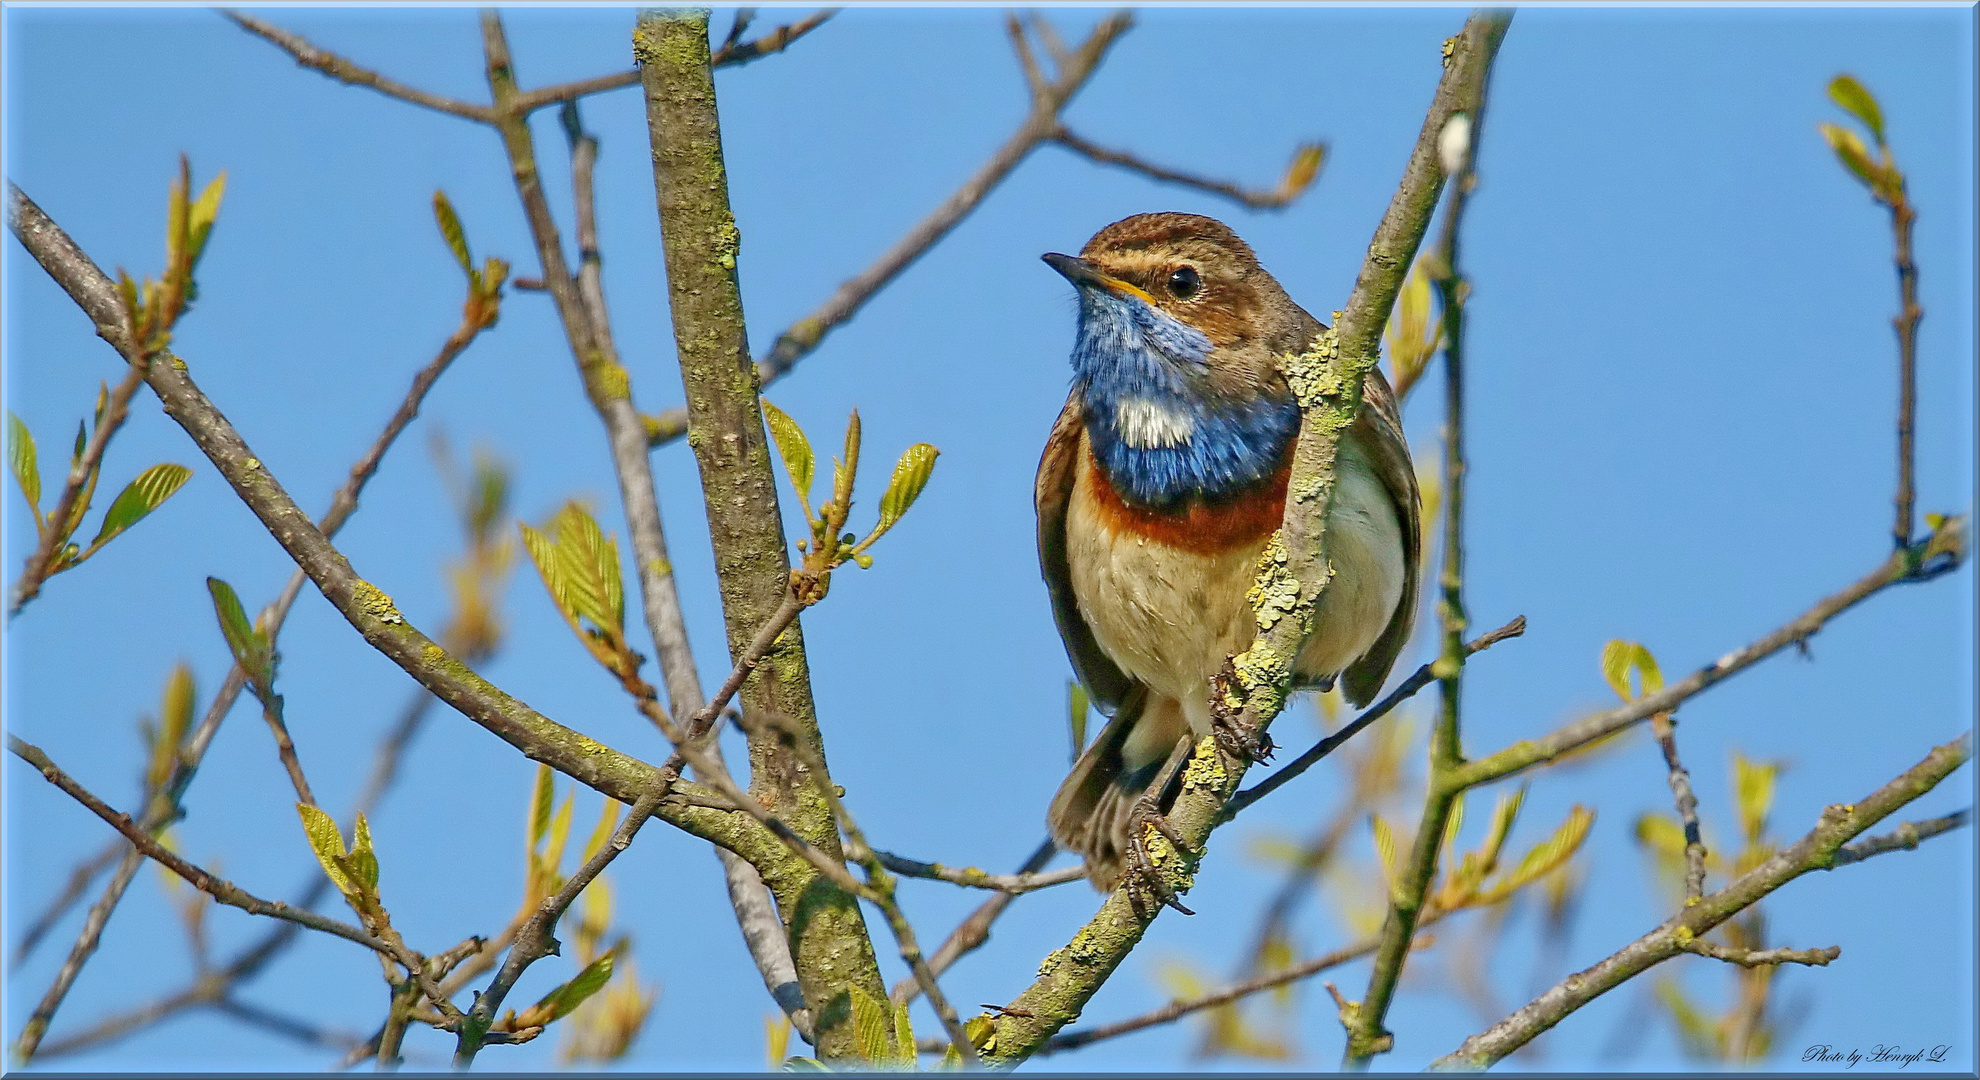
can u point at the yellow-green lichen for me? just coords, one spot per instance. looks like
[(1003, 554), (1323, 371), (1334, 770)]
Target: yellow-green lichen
[(1263, 675), (649, 44), (253, 463), (613, 381), (1206, 768), (1274, 592), (728, 243), (434, 653), (372, 600), (1314, 374)]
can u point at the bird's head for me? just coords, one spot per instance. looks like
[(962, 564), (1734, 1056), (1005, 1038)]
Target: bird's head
[(1174, 299)]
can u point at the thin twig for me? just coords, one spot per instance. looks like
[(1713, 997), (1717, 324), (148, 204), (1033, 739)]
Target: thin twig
[(344, 71), (1417, 680), (1763, 957), (219, 888), (1816, 850), (974, 930), (85, 873), (1664, 726), (1903, 216), (1904, 838), (1277, 198), (535, 941), (971, 877), (82, 472), (729, 54)]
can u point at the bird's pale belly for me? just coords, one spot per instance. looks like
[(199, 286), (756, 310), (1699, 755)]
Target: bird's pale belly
[(1168, 610)]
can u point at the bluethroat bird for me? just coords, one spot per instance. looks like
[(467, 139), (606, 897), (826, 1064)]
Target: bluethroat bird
[(1161, 482)]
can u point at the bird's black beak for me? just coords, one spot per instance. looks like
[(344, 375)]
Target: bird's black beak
[(1084, 274)]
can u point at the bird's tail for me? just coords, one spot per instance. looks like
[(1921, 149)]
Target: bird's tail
[(1091, 813)]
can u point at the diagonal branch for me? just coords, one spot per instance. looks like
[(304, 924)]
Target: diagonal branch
[(219, 888), (92, 290), (970, 934), (367, 608), (1816, 851), (1946, 547), (1404, 690)]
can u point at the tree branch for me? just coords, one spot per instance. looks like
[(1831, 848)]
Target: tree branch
[(1817, 850), (1664, 726), (973, 878), (1405, 690), (1305, 168), (830, 948), (1457, 148), (1904, 838), (344, 71), (973, 931), (1327, 382), (731, 53)]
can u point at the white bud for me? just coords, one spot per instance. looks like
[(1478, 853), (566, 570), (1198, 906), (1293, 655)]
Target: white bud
[(1454, 143)]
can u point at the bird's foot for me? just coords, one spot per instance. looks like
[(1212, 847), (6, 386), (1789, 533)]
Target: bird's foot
[(1240, 738), (1145, 876)]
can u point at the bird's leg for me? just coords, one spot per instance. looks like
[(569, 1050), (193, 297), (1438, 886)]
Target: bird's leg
[(1143, 874), (1241, 739)]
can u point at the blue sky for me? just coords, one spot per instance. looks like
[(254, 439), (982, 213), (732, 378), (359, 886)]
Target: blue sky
[(1682, 376)]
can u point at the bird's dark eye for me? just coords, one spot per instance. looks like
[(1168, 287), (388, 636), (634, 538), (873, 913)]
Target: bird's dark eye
[(1183, 282)]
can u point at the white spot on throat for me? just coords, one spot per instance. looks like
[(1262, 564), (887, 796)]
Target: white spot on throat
[(1151, 425)]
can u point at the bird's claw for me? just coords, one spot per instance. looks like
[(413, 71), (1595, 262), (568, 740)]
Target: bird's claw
[(1241, 739), (1145, 879)]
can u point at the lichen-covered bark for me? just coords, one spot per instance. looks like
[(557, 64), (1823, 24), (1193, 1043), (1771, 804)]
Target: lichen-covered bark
[(829, 941), (1326, 379)]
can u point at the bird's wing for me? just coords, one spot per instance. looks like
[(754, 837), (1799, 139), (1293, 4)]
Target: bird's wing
[(1378, 430), (1105, 683)]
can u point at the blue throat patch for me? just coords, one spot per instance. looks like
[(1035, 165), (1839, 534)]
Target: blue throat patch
[(1160, 438)]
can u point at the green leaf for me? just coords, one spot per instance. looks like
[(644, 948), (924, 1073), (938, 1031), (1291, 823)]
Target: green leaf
[(1857, 101), (1620, 658), (540, 800), (143, 495), (842, 478), (565, 999), (363, 857), (250, 649), (450, 228), (82, 443), (589, 561), (328, 845), (1849, 150), (1545, 856), (910, 476), (1453, 823), (199, 223), (793, 447), (560, 833), (21, 458), (1753, 788), (543, 552), (174, 719), (981, 1031), (608, 819), (1385, 850), (177, 211), (1504, 811), (1079, 708), (904, 1052), (805, 1064), (872, 1025), (490, 497)]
